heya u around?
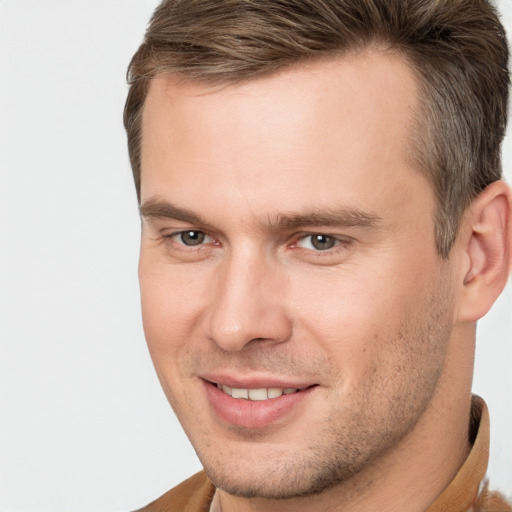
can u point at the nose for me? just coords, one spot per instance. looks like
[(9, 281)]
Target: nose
[(249, 304)]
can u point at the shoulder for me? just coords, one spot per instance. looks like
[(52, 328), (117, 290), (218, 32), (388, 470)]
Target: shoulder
[(492, 501), (193, 495)]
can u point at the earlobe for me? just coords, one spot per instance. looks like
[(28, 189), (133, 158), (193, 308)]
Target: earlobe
[(488, 250)]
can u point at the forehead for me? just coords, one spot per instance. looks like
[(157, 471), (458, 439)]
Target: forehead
[(339, 124)]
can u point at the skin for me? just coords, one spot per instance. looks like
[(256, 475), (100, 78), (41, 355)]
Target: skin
[(376, 322)]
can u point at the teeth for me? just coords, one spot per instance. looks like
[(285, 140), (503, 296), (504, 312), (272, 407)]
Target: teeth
[(258, 394), (274, 392), (239, 393)]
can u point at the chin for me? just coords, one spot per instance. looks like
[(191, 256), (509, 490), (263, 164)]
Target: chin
[(284, 479)]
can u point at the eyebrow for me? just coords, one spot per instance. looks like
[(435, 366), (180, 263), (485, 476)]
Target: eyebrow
[(155, 208), (344, 217)]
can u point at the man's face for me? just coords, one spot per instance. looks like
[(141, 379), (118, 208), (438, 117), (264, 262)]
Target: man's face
[(288, 252)]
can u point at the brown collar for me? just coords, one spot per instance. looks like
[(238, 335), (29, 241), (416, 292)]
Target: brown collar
[(463, 491)]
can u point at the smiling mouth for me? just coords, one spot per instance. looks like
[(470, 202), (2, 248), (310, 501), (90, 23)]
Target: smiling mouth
[(263, 403), (258, 394)]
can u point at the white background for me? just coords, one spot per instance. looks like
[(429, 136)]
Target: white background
[(84, 425)]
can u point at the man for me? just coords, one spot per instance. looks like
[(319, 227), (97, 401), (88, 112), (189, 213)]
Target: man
[(324, 222)]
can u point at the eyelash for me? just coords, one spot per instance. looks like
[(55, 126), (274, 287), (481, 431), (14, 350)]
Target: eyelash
[(339, 243), (172, 238)]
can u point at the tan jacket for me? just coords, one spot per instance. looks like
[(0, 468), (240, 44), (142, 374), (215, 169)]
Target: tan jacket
[(466, 492)]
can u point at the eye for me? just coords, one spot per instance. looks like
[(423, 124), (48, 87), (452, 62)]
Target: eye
[(192, 237), (318, 242)]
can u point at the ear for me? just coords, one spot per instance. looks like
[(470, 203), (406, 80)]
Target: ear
[(487, 244)]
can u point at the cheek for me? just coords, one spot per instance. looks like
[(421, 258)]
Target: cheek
[(170, 306), (340, 315), (343, 301), (361, 317), (169, 314)]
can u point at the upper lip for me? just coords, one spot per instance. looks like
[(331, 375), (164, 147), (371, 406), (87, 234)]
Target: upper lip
[(256, 382)]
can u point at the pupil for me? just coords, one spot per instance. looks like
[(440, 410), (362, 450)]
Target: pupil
[(322, 242), (192, 237)]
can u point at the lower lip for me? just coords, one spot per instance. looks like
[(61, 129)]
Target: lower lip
[(253, 413)]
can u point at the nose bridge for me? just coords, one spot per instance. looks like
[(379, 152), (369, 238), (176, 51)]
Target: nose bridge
[(249, 301)]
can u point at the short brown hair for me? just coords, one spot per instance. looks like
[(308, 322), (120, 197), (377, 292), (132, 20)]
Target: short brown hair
[(457, 49)]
